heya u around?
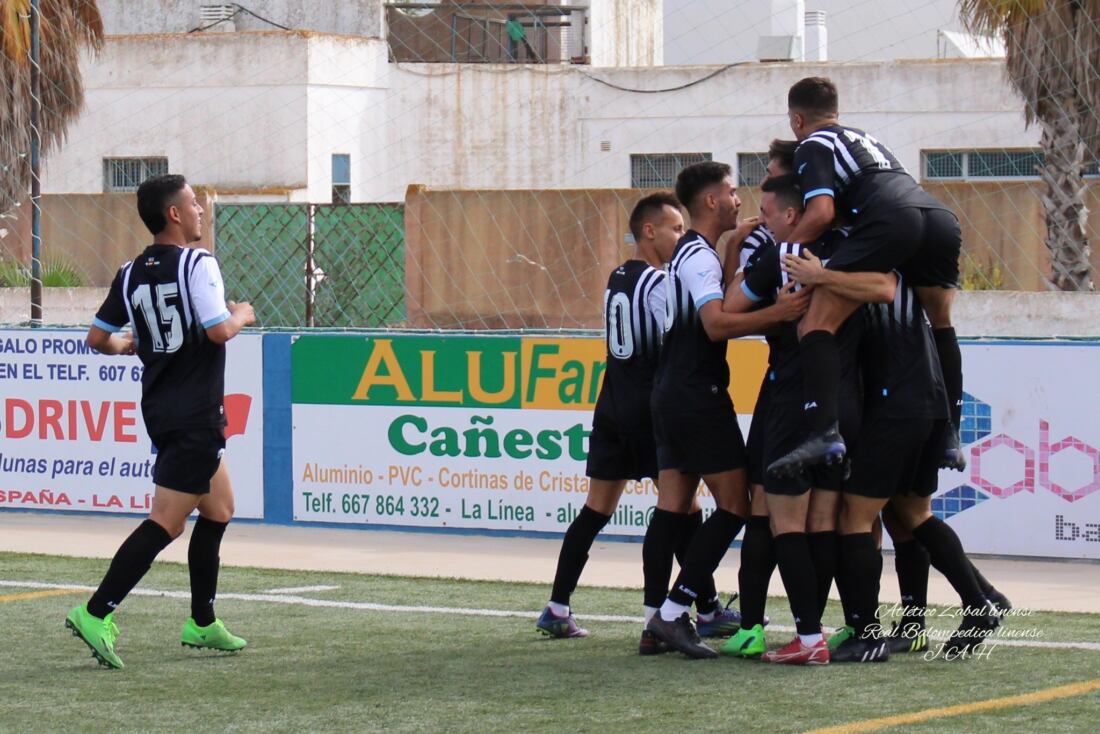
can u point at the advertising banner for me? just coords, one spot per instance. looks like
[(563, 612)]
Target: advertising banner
[(492, 433), (72, 435), (466, 432)]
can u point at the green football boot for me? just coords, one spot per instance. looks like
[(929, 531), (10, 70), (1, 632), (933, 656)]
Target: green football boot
[(98, 634), (837, 638), (213, 636), (747, 643)]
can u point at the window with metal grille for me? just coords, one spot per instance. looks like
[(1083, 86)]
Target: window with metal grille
[(659, 170), (961, 165), (341, 178), (126, 174), (751, 168)]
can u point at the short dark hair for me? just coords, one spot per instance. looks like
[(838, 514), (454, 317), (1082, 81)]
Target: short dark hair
[(786, 189), (153, 197), (815, 96), (783, 151), (649, 207), (698, 176)]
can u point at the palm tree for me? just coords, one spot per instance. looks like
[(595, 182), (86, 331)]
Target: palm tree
[(1053, 55), (66, 27)]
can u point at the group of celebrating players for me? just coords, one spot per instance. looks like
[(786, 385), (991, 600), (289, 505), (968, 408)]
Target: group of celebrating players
[(849, 273)]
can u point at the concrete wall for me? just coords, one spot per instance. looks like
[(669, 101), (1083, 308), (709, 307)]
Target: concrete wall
[(237, 111), (625, 32), (258, 111), (93, 233), (977, 313), (363, 18), (726, 31)]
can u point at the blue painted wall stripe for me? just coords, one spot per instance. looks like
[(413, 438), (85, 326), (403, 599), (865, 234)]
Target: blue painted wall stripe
[(278, 466)]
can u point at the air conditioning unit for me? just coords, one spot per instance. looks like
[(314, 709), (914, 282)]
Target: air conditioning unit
[(218, 18), (779, 48)]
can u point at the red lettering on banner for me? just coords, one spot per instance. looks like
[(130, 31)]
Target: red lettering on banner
[(122, 420), (63, 421), (95, 428), (49, 416), (11, 406)]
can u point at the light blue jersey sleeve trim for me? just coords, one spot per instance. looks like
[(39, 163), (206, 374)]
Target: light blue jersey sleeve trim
[(748, 292), (707, 299), (223, 316), (101, 324), (818, 192)]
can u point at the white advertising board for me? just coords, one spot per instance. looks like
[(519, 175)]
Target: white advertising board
[(71, 430), (492, 433)]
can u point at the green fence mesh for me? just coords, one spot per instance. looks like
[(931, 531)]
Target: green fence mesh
[(346, 270)]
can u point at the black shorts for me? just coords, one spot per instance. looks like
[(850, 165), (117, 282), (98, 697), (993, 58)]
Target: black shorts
[(889, 456), (786, 429), (936, 262), (922, 244), (754, 444), (696, 430), (615, 454), (188, 458), (926, 480)]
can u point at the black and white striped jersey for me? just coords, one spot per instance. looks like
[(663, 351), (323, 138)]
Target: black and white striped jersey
[(694, 279), (901, 368), (751, 249), (634, 313), (858, 171), (171, 295), (762, 284)]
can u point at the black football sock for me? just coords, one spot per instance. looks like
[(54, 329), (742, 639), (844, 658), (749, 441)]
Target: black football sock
[(130, 564), (657, 552), (792, 552), (823, 552), (983, 583), (947, 347), (708, 595), (574, 552), (203, 563), (820, 378), (757, 564), (911, 563), (947, 555), (707, 549), (861, 567)]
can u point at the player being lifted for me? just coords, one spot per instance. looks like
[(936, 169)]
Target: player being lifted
[(895, 225), (695, 425), (172, 295), (896, 459), (621, 446)]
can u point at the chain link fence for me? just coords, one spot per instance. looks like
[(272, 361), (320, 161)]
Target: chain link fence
[(303, 265)]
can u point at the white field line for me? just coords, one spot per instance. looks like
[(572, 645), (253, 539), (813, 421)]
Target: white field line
[(301, 589), (469, 612)]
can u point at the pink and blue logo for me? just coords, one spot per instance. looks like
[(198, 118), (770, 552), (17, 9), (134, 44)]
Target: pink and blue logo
[(1034, 465)]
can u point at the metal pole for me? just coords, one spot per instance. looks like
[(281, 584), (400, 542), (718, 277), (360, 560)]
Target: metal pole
[(36, 184), (311, 267)]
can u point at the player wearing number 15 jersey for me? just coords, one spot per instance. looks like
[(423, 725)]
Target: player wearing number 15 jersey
[(173, 297)]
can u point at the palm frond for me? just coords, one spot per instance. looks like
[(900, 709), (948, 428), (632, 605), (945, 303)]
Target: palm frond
[(67, 27)]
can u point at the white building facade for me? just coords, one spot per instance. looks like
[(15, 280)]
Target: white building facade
[(273, 115)]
